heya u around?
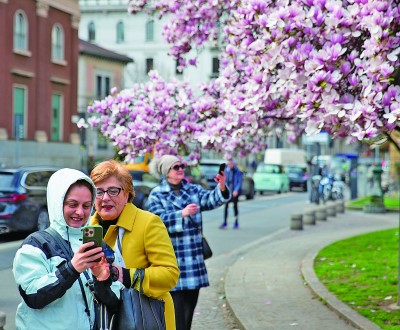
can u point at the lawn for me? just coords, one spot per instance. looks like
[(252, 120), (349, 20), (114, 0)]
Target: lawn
[(390, 200), (362, 271)]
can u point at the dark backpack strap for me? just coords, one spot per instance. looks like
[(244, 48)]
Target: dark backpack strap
[(68, 252)]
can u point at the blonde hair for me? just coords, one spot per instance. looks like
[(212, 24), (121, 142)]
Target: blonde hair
[(109, 168)]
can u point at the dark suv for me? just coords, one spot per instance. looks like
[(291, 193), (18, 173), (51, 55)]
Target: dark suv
[(23, 203)]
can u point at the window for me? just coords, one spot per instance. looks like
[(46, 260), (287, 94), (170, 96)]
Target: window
[(91, 31), (215, 67), (20, 31), (19, 104), (149, 30), (103, 85), (37, 179), (57, 43), (149, 64), (120, 33), (56, 102), (177, 70), (101, 141)]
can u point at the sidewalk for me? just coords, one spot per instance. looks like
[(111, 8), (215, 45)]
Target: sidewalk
[(269, 284), (273, 285)]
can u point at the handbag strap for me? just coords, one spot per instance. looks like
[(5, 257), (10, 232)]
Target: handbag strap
[(195, 224), (68, 252), (139, 273)]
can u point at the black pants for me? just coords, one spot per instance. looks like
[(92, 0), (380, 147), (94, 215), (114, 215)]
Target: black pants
[(185, 302), (235, 201)]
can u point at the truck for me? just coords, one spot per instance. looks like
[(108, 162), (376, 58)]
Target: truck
[(285, 156)]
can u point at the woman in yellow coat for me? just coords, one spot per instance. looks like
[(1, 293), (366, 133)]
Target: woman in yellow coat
[(144, 239)]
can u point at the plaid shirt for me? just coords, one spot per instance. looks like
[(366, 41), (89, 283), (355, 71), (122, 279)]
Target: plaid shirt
[(184, 235)]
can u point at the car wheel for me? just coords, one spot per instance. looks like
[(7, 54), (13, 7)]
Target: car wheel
[(43, 220), (251, 193)]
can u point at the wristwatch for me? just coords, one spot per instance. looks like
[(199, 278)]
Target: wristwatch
[(114, 273)]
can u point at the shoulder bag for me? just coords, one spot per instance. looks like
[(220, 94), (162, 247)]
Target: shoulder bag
[(136, 310), (207, 252)]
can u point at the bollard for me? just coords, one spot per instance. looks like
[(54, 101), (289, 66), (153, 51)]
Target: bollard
[(2, 320), (320, 214), (331, 209), (339, 204), (296, 222), (309, 217)]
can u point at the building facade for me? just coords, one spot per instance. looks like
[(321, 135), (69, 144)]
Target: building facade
[(107, 23), (39, 71), (98, 70)]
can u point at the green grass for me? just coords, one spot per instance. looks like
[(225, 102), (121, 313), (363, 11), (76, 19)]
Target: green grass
[(390, 200), (362, 271)]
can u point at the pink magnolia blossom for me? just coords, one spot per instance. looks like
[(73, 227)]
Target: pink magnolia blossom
[(289, 66)]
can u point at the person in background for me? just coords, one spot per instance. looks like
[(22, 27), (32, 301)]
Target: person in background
[(234, 178), (180, 205), (51, 284), (142, 236)]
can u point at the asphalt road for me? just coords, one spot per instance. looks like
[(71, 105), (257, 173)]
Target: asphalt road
[(259, 217)]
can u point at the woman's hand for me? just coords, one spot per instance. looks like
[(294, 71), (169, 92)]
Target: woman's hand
[(101, 270), (84, 259), (220, 178), (190, 210)]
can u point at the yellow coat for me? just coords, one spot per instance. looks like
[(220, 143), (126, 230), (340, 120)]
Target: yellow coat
[(146, 244)]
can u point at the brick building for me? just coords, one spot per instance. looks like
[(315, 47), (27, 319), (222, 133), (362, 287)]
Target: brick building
[(39, 52)]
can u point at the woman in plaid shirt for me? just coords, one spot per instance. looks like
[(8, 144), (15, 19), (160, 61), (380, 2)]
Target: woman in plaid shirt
[(179, 204)]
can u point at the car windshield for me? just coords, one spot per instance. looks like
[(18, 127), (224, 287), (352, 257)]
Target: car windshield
[(295, 169), (268, 168), (6, 181)]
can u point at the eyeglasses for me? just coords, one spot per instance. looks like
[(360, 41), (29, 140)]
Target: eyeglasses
[(177, 167), (111, 191)]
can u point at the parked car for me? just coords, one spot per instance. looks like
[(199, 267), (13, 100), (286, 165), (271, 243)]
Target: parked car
[(143, 183), (209, 168), (270, 178), (23, 202), (298, 176)]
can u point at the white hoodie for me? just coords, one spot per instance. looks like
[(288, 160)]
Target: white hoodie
[(49, 286)]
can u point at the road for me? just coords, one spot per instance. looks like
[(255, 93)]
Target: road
[(262, 216)]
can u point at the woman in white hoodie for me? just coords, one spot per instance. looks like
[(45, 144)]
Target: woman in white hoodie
[(51, 284)]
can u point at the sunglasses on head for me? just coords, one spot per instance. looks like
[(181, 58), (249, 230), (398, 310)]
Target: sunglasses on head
[(177, 167)]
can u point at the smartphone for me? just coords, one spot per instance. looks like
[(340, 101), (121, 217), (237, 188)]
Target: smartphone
[(222, 168), (94, 234)]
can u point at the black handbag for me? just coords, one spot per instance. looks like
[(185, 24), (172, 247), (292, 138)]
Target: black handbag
[(104, 319), (207, 252), (138, 311)]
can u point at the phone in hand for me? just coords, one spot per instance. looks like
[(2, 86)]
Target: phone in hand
[(93, 233), (222, 168)]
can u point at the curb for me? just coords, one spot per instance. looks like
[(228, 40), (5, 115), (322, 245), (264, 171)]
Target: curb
[(340, 308), (236, 281)]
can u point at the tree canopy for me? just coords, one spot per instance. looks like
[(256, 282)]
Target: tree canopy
[(293, 66)]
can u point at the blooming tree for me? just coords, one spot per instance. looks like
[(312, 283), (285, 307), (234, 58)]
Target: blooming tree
[(288, 65)]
